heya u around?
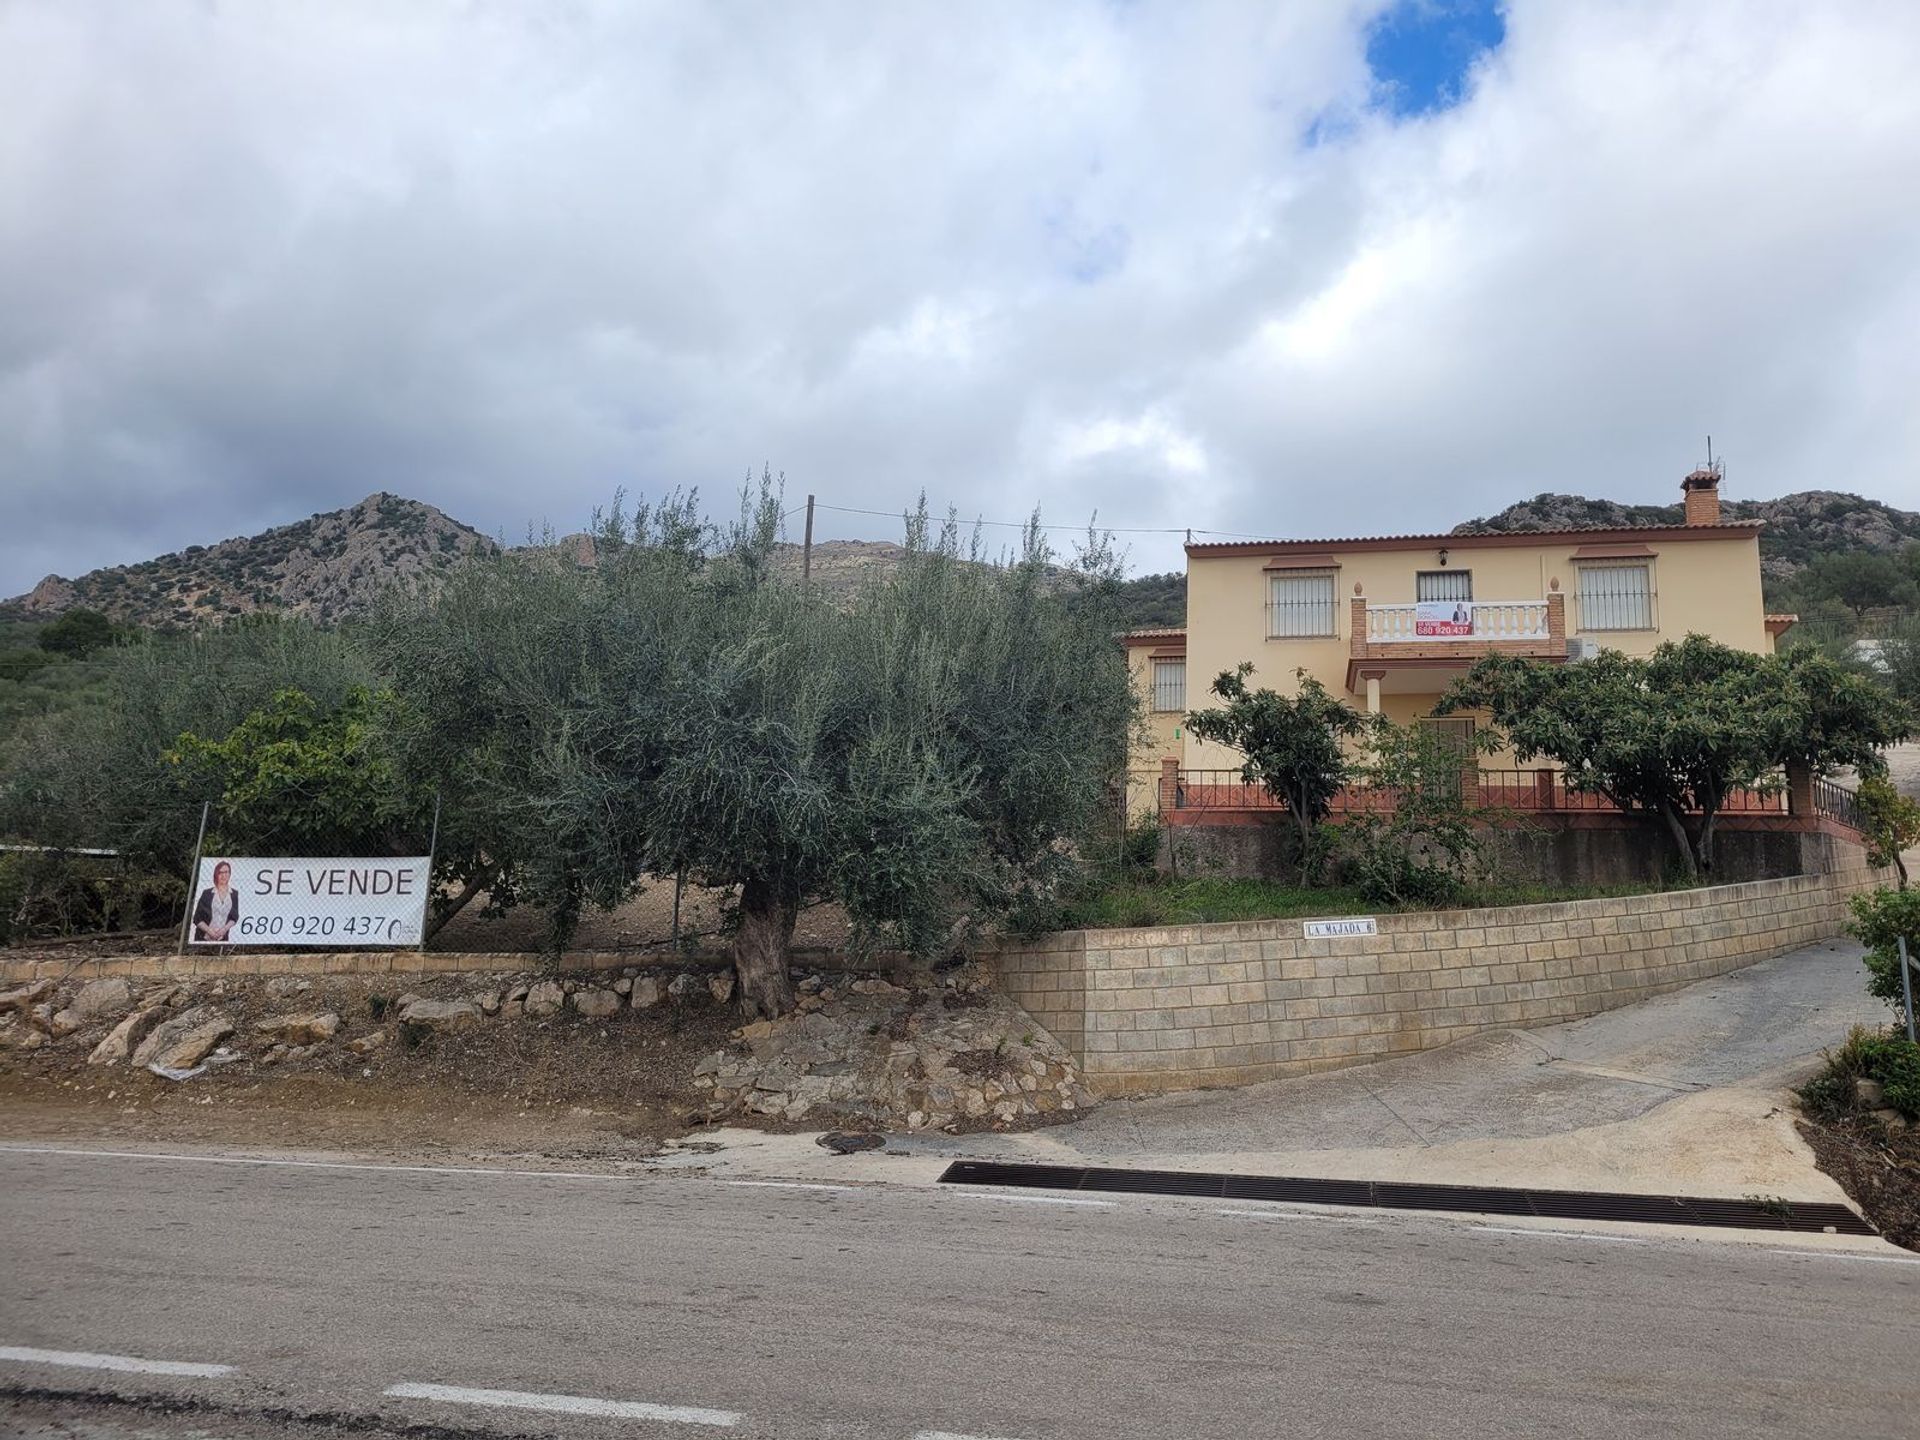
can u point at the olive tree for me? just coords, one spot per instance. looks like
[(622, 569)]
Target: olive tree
[(923, 751)]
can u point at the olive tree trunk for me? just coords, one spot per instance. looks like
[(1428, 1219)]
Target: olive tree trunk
[(762, 946)]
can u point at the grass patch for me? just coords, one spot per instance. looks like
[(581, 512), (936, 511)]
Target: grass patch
[(1204, 900)]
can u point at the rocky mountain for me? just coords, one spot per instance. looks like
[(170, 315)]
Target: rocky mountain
[(1798, 526), (327, 566)]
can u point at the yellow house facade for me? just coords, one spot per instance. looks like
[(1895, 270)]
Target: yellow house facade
[(1387, 622)]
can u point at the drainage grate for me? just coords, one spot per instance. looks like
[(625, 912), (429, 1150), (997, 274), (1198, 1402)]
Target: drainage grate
[(1397, 1195)]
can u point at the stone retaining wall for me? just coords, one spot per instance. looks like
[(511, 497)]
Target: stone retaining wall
[(1187, 1006)]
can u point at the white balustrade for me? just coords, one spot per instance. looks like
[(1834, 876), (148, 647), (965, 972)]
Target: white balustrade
[(1492, 620)]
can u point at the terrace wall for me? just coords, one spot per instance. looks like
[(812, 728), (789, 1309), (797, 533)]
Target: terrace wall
[(1180, 1007)]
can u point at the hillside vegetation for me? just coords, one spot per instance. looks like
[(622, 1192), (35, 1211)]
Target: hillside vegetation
[(326, 567)]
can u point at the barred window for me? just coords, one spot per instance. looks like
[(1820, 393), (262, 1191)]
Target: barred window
[(1616, 597), (1443, 585), (1169, 685), (1300, 604)]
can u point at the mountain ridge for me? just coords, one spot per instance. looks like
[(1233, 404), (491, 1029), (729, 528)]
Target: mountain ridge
[(334, 564)]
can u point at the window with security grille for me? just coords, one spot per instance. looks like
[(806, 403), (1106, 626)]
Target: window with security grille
[(1300, 604), (1616, 597), (1443, 585), (1169, 685)]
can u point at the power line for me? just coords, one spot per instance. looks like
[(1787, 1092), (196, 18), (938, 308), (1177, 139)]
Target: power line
[(1077, 529)]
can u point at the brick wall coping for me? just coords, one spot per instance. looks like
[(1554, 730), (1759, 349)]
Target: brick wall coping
[(242, 963)]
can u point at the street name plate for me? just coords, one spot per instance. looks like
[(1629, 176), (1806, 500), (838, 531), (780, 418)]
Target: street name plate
[(1335, 929)]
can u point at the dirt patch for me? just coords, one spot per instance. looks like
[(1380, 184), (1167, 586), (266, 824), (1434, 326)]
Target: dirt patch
[(1878, 1167), (565, 1086)]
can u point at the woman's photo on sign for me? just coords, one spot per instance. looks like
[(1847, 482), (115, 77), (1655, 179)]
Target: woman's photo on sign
[(218, 907)]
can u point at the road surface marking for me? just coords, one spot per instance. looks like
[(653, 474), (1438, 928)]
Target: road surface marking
[(1842, 1255), (1033, 1199), (80, 1359), (788, 1185), (565, 1404), (948, 1435), (1558, 1234), (305, 1164), (1295, 1215)]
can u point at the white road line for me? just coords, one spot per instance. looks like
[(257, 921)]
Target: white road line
[(948, 1435), (1034, 1199), (788, 1185), (82, 1360), (1296, 1215), (1842, 1255), (566, 1404), (1558, 1234), (307, 1164)]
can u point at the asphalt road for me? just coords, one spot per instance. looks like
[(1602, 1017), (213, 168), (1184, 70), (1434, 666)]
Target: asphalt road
[(757, 1310)]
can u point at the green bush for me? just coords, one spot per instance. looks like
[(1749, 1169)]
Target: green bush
[(1886, 1056), (1880, 918)]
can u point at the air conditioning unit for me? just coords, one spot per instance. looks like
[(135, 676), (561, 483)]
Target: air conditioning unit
[(1579, 647)]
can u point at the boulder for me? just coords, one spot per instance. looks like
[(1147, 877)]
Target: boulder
[(24, 997), (367, 1044), (647, 992), (721, 986), (487, 1000), (595, 1004), (546, 998), (442, 1014), (128, 1033), (40, 1016), (623, 986), (184, 1041), (307, 1029), (103, 999), (1869, 1094), (63, 1023)]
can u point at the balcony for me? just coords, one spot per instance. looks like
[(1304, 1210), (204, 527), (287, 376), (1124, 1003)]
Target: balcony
[(1415, 649)]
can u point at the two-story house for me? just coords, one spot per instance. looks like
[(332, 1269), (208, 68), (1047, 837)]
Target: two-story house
[(1389, 621)]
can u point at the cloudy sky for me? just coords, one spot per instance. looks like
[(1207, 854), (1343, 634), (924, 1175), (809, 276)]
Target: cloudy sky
[(1283, 268)]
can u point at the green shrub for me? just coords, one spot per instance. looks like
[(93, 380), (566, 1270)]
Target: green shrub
[(1886, 1056), (1880, 918)]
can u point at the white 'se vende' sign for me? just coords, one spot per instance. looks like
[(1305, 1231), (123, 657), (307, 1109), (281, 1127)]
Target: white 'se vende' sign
[(1336, 929), (309, 902)]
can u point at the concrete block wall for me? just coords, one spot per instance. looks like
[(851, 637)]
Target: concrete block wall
[(1180, 1007)]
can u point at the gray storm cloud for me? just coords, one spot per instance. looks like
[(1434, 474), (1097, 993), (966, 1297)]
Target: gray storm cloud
[(1173, 262)]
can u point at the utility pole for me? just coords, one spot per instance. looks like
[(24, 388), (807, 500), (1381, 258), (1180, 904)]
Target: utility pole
[(806, 548)]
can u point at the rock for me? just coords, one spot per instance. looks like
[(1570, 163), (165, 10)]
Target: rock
[(546, 998), (647, 992), (40, 1016), (103, 999), (25, 996), (512, 1009), (595, 1004), (367, 1044), (32, 1040), (122, 1039), (488, 1000), (874, 987), (518, 992), (184, 1041), (721, 986), (309, 1029), (63, 1023), (281, 986), (757, 1030), (623, 986), (441, 1014), (1869, 1094), (1890, 1118), (682, 987)]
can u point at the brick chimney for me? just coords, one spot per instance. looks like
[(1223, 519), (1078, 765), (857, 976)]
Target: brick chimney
[(1702, 488)]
